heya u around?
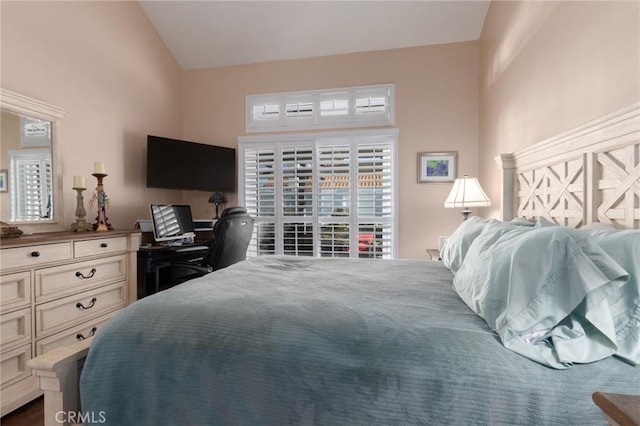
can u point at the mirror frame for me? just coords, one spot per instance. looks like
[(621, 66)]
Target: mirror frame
[(24, 105)]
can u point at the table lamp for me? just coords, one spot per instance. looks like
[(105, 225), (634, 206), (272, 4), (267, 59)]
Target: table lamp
[(466, 192)]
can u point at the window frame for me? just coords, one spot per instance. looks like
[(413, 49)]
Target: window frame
[(279, 113), (314, 141)]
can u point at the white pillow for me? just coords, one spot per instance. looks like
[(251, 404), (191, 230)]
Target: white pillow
[(624, 247), (543, 290), (543, 222), (456, 247)]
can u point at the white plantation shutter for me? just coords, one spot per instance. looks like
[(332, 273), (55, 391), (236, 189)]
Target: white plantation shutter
[(375, 199), (298, 238), (259, 174), (297, 181), (373, 105), (336, 108), (31, 175), (299, 110), (265, 111), (321, 195), (334, 197), (259, 166), (374, 180), (334, 172), (264, 238), (321, 109)]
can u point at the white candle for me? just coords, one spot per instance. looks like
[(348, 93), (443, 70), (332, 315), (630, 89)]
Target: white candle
[(78, 182), (98, 167)]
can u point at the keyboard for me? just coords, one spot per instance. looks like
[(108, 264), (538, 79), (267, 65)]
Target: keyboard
[(191, 248)]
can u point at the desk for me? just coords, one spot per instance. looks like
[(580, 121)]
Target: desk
[(154, 265)]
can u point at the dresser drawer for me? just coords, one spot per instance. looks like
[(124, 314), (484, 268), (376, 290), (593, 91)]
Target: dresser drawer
[(99, 246), (63, 280), (15, 327), (72, 335), (15, 290), (57, 315), (35, 255), (13, 365)]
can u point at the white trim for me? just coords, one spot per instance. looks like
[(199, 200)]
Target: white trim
[(24, 105), (277, 120), (32, 107), (313, 136)]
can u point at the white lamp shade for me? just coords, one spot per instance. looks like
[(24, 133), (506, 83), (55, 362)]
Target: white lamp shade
[(467, 192)]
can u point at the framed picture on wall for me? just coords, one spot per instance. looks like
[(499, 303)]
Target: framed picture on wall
[(4, 180), (437, 166)]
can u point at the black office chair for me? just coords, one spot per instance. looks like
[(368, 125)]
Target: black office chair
[(232, 233)]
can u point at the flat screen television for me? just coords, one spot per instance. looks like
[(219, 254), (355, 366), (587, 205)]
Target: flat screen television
[(178, 164), (171, 222)]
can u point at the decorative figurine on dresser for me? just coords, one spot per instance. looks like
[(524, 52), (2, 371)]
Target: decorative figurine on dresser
[(80, 224), (100, 199)]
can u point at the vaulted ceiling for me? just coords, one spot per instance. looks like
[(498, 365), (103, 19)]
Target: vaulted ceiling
[(203, 34)]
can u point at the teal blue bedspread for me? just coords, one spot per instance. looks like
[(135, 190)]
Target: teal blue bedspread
[(299, 341)]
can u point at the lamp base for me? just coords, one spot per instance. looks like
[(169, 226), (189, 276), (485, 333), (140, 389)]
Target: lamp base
[(466, 214)]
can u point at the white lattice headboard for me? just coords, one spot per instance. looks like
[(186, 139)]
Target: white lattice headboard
[(588, 174)]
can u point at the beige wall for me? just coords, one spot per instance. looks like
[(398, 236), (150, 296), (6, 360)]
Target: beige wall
[(540, 68), (436, 109), (105, 65), (546, 67)]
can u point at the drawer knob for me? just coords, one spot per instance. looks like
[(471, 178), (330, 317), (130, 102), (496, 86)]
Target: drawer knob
[(35, 254), (91, 274), (104, 245), (80, 306), (80, 336)]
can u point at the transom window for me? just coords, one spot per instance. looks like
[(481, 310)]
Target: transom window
[(321, 194), (320, 109)]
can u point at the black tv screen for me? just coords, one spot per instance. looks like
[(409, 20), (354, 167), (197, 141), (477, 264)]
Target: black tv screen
[(178, 164)]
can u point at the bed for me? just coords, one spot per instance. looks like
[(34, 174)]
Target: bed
[(279, 340)]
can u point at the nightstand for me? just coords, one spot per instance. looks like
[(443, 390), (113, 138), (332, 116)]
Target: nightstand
[(619, 409), (433, 254)]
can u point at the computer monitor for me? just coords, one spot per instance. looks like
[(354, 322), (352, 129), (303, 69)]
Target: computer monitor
[(171, 222)]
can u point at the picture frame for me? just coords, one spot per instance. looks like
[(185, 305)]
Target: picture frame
[(4, 180), (437, 166)]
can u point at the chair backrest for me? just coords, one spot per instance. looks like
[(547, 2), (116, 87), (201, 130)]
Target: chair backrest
[(232, 233)]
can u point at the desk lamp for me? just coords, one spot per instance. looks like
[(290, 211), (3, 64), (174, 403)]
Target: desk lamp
[(216, 199)]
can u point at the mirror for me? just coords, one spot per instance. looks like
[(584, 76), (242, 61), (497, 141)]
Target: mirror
[(26, 175), (29, 179)]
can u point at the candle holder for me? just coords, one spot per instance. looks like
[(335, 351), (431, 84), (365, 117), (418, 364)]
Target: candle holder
[(101, 200), (80, 225)]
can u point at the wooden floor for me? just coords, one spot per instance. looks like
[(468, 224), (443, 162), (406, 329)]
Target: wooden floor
[(31, 414)]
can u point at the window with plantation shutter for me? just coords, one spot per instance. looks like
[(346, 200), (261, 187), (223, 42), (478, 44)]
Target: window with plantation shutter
[(326, 194), (31, 175), (321, 109)]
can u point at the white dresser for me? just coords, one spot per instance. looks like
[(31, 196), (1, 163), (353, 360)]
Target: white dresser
[(55, 289)]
